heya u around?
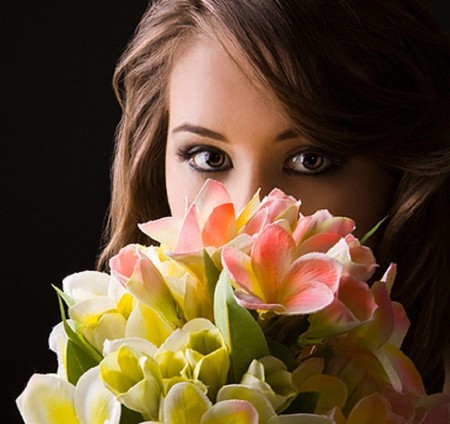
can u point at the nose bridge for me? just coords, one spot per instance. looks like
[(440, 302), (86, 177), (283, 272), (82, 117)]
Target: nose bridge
[(253, 175)]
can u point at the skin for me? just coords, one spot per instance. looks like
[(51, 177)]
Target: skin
[(222, 126)]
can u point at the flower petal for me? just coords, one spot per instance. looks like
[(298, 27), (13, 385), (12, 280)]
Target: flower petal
[(248, 301), (48, 399), (231, 412), (85, 285), (271, 258), (257, 399), (220, 227), (312, 268), (190, 238), (93, 402), (212, 194), (311, 297), (185, 404), (239, 266), (318, 243), (164, 230)]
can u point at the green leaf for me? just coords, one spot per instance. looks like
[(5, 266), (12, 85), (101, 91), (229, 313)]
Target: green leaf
[(76, 338), (373, 230), (67, 299), (78, 362), (242, 334), (80, 355), (212, 274)]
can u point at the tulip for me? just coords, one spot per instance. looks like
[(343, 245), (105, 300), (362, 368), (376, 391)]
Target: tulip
[(135, 379), (204, 350)]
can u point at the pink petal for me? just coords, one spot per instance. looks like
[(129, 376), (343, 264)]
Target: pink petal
[(318, 243), (220, 227), (248, 301), (337, 224), (364, 263), (257, 222), (304, 224), (380, 329), (313, 268), (239, 266), (190, 238), (311, 297), (271, 258), (358, 297), (123, 264), (336, 318)]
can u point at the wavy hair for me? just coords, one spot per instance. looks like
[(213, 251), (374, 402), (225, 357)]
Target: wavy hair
[(368, 78)]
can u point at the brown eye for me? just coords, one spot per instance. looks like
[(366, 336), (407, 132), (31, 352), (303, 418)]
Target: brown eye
[(209, 160), (310, 162)]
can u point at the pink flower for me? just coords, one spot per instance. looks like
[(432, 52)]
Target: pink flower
[(210, 221), (320, 231), (353, 305), (274, 207), (358, 261), (275, 278)]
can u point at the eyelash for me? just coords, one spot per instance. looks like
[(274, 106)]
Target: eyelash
[(331, 161)]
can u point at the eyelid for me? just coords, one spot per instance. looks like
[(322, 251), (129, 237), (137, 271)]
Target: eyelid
[(187, 153), (333, 161)]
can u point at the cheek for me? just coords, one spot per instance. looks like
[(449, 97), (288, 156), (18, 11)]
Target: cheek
[(362, 191)]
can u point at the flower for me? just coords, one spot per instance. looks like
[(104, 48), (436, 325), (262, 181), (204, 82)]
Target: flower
[(210, 221), (134, 270), (261, 317), (100, 311), (275, 207), (52, 400), (135, 380), (204, 350), (274, 278)]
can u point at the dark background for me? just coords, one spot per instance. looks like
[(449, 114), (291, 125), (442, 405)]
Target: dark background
[(58, 121)]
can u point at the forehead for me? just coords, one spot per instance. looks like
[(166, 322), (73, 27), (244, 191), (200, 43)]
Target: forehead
[(210, 81)]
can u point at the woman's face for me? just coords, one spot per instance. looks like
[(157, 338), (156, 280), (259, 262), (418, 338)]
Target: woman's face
[(222, 127)]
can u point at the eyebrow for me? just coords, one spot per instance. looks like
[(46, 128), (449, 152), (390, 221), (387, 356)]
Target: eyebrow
[(201, 131), (206, 132)]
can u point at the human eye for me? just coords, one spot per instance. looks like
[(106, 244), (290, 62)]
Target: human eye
[(205, 159), (310, 161)]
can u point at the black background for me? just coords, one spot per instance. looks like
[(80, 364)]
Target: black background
[(58, 121)]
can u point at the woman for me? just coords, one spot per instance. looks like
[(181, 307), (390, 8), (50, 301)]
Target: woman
[(344, 104)]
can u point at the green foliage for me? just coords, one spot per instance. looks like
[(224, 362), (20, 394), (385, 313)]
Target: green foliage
[(242, 334), (81, 356), (373, 230), (212, 274)]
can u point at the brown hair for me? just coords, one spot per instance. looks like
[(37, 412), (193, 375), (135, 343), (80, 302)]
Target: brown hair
[(370, 78)]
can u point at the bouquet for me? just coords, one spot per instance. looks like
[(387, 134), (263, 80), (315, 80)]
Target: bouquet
[(264, 316)]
